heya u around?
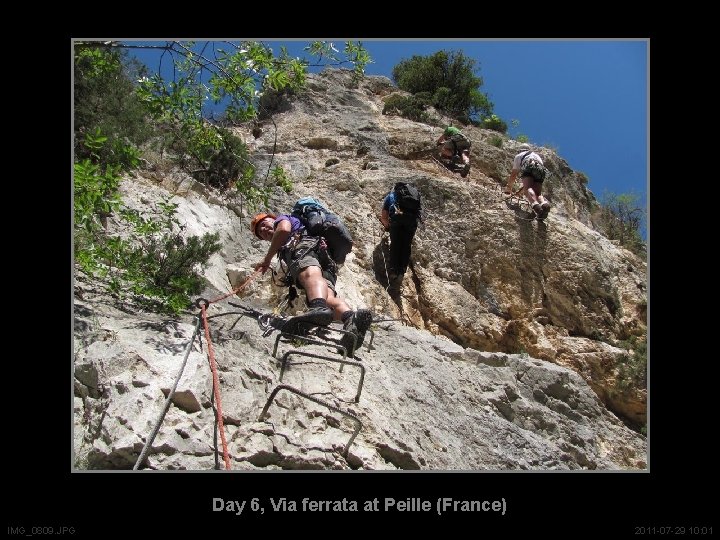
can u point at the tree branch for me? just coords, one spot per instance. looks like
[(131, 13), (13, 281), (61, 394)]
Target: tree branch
[(118, 45)]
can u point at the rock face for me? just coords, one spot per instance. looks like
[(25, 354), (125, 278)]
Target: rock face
[(504, 360)]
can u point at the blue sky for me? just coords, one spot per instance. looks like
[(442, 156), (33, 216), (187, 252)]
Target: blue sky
[(587, 99)]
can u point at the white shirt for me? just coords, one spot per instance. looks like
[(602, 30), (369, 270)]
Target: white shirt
[(518, 159)]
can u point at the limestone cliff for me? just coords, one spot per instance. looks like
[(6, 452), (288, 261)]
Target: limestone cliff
[(504, 358)]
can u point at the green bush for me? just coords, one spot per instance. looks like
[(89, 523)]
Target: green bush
[(226, 164), (281, 179), (407, 107), (495, 123), (95, 187), (161, 266), (209, 153), (448, 81), (632, 371), (152, 262), (105, 102), (620, 218)]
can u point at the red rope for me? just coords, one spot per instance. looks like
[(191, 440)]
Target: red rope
[(216, 388), (237, 289), (213, 365)]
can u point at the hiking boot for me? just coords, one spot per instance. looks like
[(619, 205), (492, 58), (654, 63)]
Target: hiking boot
[(465, 170), (317, 316), (358, 324), (544, 209)]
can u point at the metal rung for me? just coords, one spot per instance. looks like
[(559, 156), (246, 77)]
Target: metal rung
[(372, 337), (343, 331), (351, 352), (319, 402), (286, 357), (308, 341)]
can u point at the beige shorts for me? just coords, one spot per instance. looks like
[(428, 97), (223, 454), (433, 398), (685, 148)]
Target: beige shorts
[(310, 258)]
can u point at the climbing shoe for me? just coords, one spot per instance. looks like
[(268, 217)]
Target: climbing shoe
[(317, 316), (358, 323), (465, 170), (537, 209), (544, 210)]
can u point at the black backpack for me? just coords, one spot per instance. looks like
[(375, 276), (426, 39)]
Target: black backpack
[(319, 221), (407, 197)]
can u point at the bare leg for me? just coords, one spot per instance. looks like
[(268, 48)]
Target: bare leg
[(337, 305), (528, 185), (315, 286), (312, 280)]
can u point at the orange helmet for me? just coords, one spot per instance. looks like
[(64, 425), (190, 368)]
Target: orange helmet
[(256, 221)]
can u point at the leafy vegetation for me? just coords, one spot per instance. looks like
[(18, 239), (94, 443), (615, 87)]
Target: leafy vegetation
[(520, 137), (282, 179), (495, 123), (620, 217), (105, 103), (149, 258), (354, 53), (159, 265), (448, 78), (632, 370), (96, 186), (410, 107)]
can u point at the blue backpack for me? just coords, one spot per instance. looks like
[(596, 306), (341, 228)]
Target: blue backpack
[(319, 221)]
